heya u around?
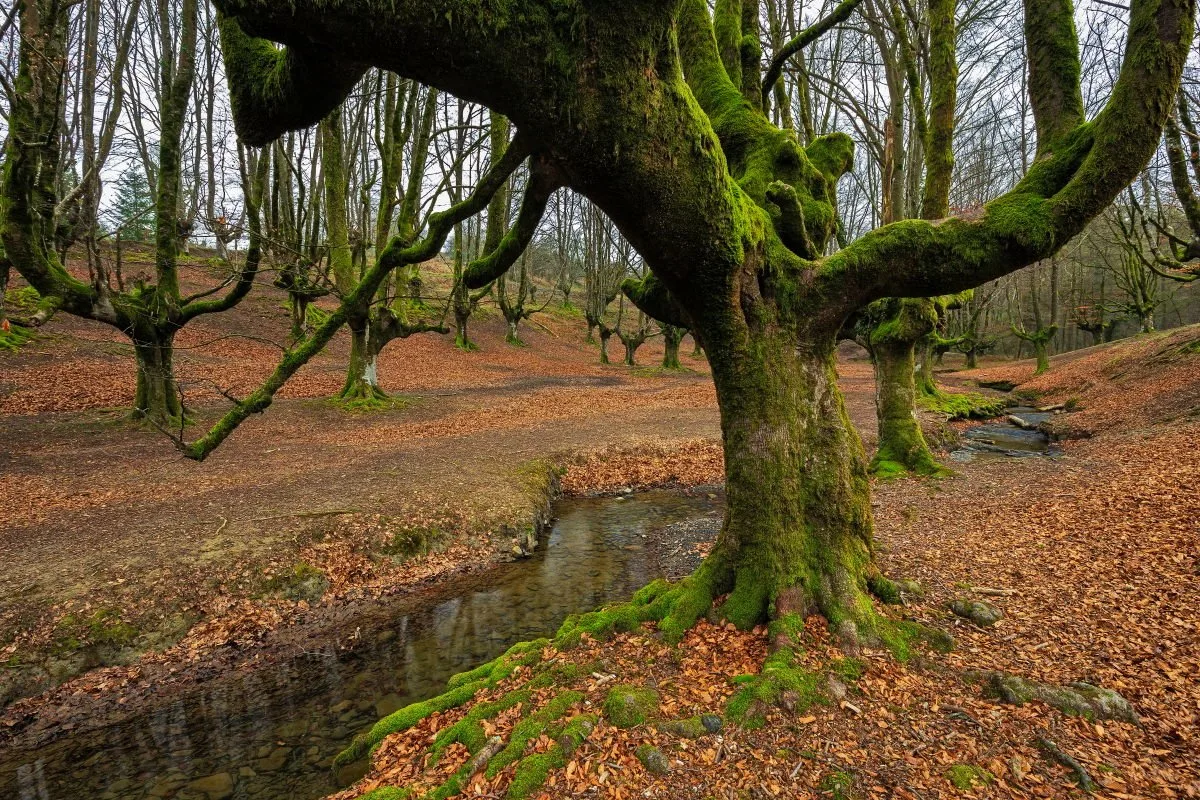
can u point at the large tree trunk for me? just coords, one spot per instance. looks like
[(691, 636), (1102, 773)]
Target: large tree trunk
[(902, 447), (972, 358), (157, 397), (461, 338), (798, 515), (605, 335)]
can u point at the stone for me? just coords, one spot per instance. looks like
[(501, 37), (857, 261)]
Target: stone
[(247, 772), (292, 730), (388, 704), (982, 614), (341, 708), (275, 761), (217, 787), (653, 759), (712, 723), (628, 706), (1076, 699)]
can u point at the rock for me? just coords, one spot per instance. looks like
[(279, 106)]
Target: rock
[(982, 614), (690, 728), (910, 587), (246, 772), (653, 759), (712, 723), (167, 786), (837, 689), (292, 730), (275, 761), (388, 704), (351, 773), (341, 708), (1076, 699), (628, 706), (217, 787)]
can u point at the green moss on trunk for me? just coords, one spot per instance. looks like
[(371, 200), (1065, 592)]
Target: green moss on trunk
[(902, 447)]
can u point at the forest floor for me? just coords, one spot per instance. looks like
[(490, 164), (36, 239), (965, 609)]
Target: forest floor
[(105, 530), (1092, 557)]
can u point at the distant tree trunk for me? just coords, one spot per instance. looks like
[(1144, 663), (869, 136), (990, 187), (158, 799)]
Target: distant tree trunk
[(672, 336), (902, 446)]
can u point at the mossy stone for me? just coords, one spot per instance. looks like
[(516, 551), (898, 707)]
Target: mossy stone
[(629, 706), (653, 759)]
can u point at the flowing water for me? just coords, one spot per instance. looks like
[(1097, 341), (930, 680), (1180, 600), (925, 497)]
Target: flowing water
[(1003, 439), (272, 732)]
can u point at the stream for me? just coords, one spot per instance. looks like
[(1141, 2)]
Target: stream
[(1003, 439), (272, 732)]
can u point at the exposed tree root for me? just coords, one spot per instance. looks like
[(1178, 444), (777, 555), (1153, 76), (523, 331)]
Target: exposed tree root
[(1067, 760), (786, 680), (1075, 699)]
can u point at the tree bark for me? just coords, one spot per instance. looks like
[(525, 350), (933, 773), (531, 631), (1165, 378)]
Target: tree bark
[(157, 398), (672, 336), (902, 446), (798, 513)]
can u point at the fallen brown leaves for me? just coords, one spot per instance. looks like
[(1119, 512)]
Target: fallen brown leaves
[(653, 464)]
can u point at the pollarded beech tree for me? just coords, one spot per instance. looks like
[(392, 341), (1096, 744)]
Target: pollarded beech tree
[(654, 110)]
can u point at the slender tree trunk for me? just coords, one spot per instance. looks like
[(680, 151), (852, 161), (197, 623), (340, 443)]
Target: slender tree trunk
[(902, 446), (157, 397), (798, 515), (605, 335)]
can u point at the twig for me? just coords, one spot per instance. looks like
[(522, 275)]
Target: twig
[(224, 523), (307, 514)]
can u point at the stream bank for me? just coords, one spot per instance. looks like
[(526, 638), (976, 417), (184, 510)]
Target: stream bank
[(267, 730)]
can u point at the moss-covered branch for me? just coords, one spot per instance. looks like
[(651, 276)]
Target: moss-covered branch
[(276, 90), (803, 40), (652, 296), (544, 181)]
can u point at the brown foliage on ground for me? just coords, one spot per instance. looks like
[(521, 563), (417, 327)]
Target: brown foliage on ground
[(1092, 557)]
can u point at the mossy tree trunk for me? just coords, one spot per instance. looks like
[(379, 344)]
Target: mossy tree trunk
[(902, 445), (798, 514), (672, 336), (893, 341), (605, 334), (157, 398)]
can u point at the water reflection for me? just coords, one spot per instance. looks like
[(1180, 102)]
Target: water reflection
[(273, 732)]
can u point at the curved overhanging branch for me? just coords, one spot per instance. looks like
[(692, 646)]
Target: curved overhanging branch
[(275, 90), (654, 299), (397, 254), (1075, 178), (544, 180), (803, 40)]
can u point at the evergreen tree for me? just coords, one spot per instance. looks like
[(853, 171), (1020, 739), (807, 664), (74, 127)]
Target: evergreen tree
[(134, 206)]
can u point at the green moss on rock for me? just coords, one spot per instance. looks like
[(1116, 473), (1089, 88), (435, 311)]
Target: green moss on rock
[(628, 706), (965, 777)]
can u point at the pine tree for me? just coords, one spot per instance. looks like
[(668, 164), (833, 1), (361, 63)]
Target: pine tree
[(133, 206)]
